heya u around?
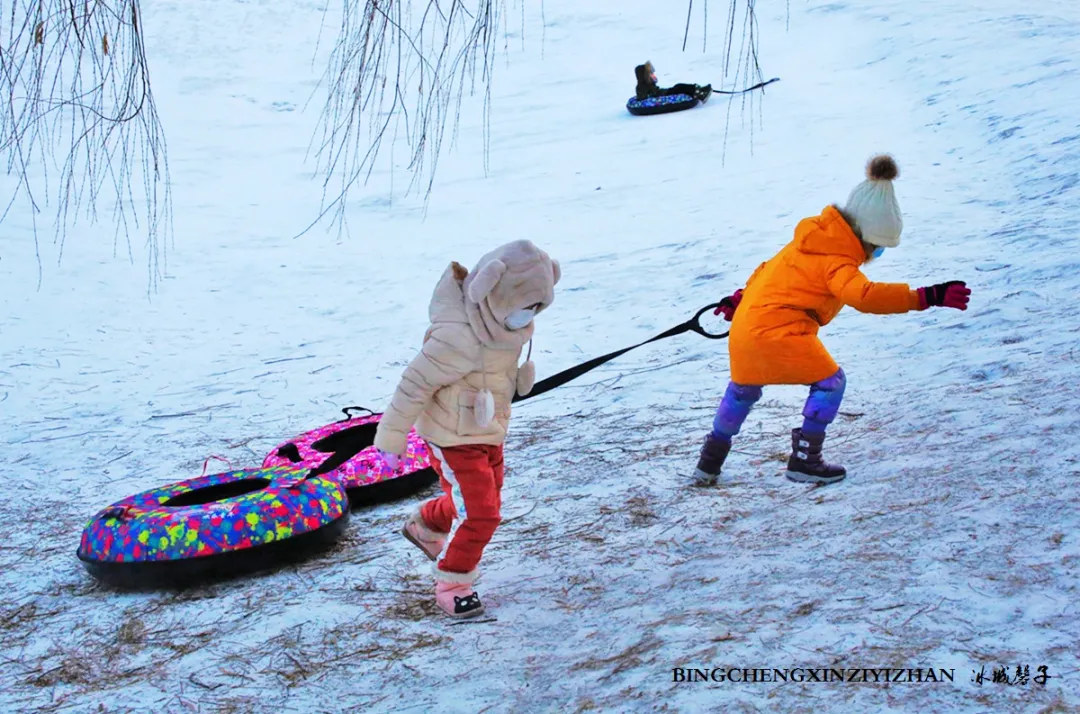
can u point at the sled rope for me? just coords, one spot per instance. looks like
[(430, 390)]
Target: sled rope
[(557, 380), (567, 375), (759, 85), (349, 416), (206, 464)]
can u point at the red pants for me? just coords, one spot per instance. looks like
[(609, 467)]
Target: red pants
[(472, 479)]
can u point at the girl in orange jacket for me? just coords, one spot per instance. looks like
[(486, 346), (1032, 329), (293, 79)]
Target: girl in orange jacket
[(775, 319)]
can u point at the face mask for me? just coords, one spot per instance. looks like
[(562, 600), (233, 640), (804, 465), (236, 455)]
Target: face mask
[(519, 318), (878, 251)]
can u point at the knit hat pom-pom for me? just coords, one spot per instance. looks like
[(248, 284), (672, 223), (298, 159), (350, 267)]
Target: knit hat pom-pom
[(882, 168)]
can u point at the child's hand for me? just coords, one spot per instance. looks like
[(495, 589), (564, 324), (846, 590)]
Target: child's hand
[(391, 460), (728, 305), (954, 294)]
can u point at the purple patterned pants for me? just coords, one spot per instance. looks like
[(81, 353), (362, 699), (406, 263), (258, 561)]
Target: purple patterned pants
[(820, 410)]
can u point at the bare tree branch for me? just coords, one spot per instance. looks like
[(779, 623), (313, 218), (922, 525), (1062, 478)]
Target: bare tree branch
[(405, 74), (73, 74)]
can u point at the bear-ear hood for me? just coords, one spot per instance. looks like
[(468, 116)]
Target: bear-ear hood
[(448, 299), (514, 276)]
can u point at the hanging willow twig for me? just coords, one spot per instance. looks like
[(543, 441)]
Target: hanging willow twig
[(77, 101)]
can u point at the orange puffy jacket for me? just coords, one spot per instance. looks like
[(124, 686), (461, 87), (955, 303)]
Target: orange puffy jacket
[(774, 332)]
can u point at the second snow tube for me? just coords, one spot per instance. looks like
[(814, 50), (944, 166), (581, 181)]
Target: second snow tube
[(661, 105), (221, 524), (345, 452)]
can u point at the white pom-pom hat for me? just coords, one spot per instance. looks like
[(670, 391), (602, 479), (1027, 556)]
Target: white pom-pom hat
[(872, 204)]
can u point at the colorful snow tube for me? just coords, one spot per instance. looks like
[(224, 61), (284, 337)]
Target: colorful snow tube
[(345, 452), (661, 105), (221, 524)]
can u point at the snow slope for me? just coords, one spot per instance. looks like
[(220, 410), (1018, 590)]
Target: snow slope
[(952, 544)]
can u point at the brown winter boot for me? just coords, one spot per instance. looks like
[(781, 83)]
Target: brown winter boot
[(806, 465), (713, 454)]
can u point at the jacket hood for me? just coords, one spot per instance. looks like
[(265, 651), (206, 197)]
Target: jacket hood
[(509, 278), (449, 305), (448, 300), (828, 234)]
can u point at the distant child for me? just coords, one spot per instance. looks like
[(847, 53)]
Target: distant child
[(647, 85), (457, 392), (788, 298)]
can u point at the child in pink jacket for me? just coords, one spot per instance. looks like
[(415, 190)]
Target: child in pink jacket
[(457, 393)]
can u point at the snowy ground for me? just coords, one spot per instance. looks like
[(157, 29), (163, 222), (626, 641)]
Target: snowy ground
[(952, 544)]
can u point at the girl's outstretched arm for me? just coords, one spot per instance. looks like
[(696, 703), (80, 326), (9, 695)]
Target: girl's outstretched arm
[(853, 288)]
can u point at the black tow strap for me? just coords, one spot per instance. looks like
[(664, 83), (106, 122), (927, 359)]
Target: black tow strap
[(557, 380), (759, 85)]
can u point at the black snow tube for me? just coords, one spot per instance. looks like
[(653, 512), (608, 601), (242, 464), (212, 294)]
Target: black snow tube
[(661, 105)]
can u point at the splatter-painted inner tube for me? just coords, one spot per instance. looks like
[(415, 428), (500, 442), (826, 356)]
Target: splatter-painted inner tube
[(345, 452), (224, 523), (660, 105)]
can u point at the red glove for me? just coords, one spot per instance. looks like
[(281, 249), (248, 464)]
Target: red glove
[(954, 293), (728, 305)]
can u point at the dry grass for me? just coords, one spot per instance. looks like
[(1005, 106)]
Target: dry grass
[(590, 534), (629, 658)]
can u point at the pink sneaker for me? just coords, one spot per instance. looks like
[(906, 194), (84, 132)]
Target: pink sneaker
[(427, 540), (457, 599)]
